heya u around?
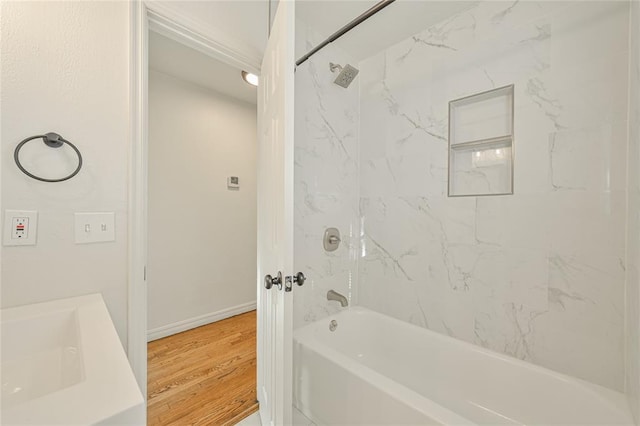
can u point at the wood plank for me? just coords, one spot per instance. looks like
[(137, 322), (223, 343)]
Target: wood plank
[(204, 376)]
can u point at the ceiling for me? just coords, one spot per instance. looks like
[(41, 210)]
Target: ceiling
[(246, 22), (175, 59), (326, 16), (394, 23)]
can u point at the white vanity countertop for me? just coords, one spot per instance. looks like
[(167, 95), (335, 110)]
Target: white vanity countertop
[(63, 364)]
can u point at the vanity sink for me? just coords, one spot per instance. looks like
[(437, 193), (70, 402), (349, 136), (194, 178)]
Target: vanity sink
[(40, 355), (63, 364)]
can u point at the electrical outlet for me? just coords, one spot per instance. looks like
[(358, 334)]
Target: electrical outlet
[(20, 228), (95, 227)]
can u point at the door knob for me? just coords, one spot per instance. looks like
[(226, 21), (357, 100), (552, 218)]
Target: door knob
[(299, 278), (270, 281)]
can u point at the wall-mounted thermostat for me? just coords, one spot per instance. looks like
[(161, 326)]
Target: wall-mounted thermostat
[(233, 182)]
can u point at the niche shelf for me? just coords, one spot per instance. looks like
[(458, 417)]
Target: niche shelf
[(481, 144)]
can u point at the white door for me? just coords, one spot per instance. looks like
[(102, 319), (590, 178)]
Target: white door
[(275, 220)]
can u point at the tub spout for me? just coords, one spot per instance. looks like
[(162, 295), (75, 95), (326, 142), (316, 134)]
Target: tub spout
[(334, 295)]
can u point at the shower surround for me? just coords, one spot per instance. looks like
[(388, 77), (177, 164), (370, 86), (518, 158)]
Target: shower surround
[(325, 180), (538, 275)]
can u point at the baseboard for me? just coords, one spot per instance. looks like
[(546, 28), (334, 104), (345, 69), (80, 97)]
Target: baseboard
[(188, 324)]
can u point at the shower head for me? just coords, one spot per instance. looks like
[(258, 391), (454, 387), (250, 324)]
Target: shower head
[(346, 76)]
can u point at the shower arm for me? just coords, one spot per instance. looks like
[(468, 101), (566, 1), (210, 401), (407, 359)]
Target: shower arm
[(333, 67)]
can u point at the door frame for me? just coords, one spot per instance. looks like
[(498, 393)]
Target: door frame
[(144, 17)]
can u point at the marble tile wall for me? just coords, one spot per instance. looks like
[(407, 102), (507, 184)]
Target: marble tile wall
[(633, 217), (325, 181), (539, 275)]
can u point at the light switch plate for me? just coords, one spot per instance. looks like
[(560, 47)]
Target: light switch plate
[(95, 227), (20, 228)]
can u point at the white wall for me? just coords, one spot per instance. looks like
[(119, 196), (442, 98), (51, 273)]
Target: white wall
[(65, 69), (633, 218), (202, 236)]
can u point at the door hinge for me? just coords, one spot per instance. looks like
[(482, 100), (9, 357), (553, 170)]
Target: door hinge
[(145, 273)]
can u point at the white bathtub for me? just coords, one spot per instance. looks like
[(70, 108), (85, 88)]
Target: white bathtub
[(374, 369)]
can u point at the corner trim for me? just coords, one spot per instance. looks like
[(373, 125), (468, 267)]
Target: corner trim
[(169, 22), (189, 323), (137, 200)]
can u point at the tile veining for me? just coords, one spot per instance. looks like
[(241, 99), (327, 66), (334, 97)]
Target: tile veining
[(538, 275), (528, 271)]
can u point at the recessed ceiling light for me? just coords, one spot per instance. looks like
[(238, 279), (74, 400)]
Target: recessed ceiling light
[(252, 79)]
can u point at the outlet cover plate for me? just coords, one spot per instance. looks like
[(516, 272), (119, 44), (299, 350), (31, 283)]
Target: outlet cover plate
[(26, 218), (95, 227)]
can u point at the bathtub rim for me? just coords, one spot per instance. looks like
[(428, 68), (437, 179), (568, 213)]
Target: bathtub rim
[(420, 403), (304, 335)]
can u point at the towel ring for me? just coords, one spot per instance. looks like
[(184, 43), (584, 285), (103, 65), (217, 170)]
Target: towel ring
[(52, 140)]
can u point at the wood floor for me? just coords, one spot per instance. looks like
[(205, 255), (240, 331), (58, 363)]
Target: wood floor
[(204, 376)]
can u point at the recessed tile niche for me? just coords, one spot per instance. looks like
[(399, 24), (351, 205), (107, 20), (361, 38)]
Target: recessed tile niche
[(481, 144)]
